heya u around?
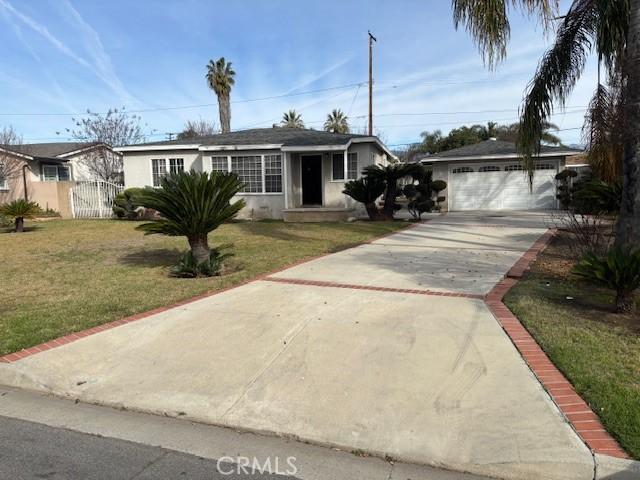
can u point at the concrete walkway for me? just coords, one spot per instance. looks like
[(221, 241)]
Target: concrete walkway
[(321, 353)]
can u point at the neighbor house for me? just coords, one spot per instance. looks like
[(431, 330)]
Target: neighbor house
[(489, 176), (46, 171), (289, 173)]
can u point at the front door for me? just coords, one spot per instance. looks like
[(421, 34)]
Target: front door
[(312, 180)]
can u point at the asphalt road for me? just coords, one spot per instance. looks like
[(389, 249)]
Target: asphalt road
[(30, 451)]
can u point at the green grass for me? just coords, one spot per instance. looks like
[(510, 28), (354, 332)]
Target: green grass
[(68, 275), (596, 349)]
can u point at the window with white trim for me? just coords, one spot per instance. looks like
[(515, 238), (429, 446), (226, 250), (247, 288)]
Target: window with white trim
[(545, 166), (462, 170), (337, 166), (55, 173), (3, 177), (352, 166), (489, 168), (176, 165), (249, 171), (220, 163), (161, 167), (273, 173), (158, 170), (516, 167)]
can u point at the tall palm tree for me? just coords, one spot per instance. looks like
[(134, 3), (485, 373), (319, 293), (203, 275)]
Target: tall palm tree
[(220, 78), (291, 119), (613, 28), (337, 122), (192, 204)]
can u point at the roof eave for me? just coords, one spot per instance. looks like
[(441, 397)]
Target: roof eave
[(496, 157)]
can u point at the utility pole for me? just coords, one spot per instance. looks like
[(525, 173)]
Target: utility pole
[(371, 40), (169, 135)]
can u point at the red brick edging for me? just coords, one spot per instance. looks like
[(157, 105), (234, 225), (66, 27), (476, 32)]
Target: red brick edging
[(72, 337), (576, 411)]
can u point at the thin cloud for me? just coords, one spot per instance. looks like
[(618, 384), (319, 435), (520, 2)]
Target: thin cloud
[(101, 59), (42, 30)]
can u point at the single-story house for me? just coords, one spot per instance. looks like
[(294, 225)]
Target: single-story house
[(46, 171), (290, 173), (489, 176)]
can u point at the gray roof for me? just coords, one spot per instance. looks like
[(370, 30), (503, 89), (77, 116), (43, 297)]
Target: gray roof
[(268, 136), (490, 148), (49, 150)]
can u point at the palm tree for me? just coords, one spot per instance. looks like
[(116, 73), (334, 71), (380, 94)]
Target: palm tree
[(389, 176), (192, 204), (220, 78), (18, 210), (291, 119), (613, 28), (511, 133), (336, 122), (366, 190)]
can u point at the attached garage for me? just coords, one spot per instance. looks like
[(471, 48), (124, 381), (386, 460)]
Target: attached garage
[(490, 176)]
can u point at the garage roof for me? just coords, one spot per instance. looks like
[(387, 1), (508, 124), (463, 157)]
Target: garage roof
[(494, 149)]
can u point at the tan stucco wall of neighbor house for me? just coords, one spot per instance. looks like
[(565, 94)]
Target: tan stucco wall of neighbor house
[(53, 195)]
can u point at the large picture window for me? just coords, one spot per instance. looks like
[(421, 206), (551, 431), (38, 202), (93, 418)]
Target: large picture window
[(260, 173), (249, 170)]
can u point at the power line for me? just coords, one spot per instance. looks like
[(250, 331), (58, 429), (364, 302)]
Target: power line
[(183, 107)]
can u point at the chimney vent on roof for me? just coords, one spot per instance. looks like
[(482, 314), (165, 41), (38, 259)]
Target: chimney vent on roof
[(493, 139)]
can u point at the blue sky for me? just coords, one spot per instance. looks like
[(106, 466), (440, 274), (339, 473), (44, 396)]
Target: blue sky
[(66, 56)]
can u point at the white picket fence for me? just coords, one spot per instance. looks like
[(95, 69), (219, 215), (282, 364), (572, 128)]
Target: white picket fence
[(93, 199)]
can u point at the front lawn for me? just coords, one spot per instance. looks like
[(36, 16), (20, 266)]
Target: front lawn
[(597, 350), (68, 275)]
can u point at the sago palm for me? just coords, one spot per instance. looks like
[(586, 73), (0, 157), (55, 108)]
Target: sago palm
[(192, 204), (389, 176), (337, 122), (612, 29), (18, 210), (220, 78), (366, 190), (292, 119)]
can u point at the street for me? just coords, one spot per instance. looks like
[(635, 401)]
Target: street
[(33, 451)]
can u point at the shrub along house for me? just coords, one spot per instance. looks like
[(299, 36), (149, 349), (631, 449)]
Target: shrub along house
[(489, 176), (289, 173)]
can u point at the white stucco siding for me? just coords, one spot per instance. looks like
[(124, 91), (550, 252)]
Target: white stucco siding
[(137, 165)]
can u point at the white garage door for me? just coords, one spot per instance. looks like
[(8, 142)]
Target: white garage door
[(501, 186)]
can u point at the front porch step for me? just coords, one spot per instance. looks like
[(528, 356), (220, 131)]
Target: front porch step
[(317, 214)]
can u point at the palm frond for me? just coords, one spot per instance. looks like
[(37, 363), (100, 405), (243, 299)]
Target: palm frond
[(488, 22), (602, 133), (191, 204), (557, 74)]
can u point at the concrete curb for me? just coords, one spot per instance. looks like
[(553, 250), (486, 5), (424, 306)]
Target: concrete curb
[(575, 410)]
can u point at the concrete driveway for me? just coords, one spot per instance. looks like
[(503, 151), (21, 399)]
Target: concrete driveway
[(321, 352)]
